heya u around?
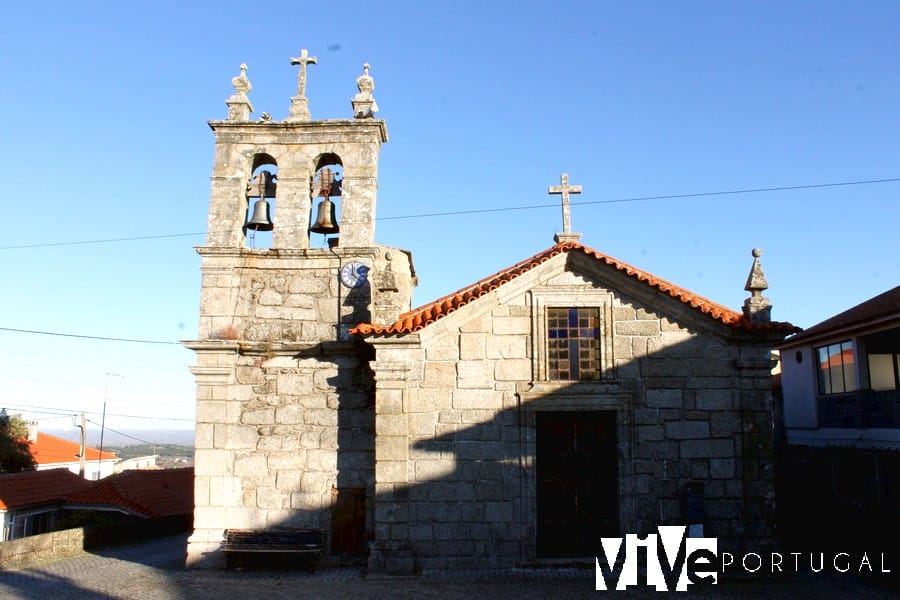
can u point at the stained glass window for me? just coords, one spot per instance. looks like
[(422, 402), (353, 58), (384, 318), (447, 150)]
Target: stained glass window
[(573, 344)]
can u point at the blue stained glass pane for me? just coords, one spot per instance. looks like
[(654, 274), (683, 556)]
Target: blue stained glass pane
[(573, 364), (573, 318), (554, 334)]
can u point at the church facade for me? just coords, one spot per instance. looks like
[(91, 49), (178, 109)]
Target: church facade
[(515, 422)]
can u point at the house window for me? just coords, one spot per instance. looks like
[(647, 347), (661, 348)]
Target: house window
[(30, 524), (41, 523), (573, 344), (836, 369), (884, 371)]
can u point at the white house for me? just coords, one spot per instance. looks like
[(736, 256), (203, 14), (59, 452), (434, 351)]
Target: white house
[(51, 452), (840, 378)]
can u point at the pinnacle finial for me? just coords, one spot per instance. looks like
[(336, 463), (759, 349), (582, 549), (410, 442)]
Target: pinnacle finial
[(364, 105), (241, 83), (239, 107), (757, 307)]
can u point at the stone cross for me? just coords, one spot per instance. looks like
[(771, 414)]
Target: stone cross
[(564, 189), (303, 60)]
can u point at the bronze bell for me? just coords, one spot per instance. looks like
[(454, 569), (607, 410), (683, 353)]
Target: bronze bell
[(261, 220), (326, 221)]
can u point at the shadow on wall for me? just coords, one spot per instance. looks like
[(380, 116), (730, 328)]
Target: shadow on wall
[(556, 469)]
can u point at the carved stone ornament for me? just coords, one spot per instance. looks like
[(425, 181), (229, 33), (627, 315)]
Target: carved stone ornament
[(364, 105), (241, 84), (239, 107), (757, 307)]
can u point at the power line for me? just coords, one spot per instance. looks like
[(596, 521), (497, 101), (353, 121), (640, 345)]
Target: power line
[(88, 337), (149, 443), (41, 409), (430, 215), (104, 241), (65, 412), (56, 415), (786, 188), (641, 199), (147, 418)]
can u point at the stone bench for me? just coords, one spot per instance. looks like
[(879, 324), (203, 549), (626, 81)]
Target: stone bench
[(308, 542)]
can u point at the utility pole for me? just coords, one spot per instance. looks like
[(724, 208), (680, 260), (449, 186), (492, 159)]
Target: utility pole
[(81, 454), (103, 421)]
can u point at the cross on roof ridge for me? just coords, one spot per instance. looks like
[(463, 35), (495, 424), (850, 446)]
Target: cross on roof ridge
[(564, 189)]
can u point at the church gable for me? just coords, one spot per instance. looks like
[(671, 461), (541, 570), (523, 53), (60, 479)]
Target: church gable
[(569, 379), (419, 318)]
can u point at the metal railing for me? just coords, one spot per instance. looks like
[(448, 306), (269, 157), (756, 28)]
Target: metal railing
[(862, 409)]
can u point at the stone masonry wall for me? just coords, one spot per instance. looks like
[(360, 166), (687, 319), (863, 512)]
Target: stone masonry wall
[(455, 447), (285, 409), (24, 552), (272, 444)]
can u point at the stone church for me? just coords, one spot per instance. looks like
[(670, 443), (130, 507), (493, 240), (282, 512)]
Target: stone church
[(514, 422)]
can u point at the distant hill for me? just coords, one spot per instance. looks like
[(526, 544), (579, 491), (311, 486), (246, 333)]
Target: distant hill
[(176, 437)]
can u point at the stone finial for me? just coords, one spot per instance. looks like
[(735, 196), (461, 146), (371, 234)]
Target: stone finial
[(757, 307), (239, 107), (364, 106), (299, 103), (241, 83), (564, 189), (385, 280)]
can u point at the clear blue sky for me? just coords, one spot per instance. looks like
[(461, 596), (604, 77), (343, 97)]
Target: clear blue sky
[(105, 106)]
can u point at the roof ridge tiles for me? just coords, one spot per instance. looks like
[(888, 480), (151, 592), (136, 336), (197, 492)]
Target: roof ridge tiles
[(418, 318)]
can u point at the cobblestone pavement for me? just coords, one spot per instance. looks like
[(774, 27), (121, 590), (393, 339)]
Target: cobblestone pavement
[(154, 571)]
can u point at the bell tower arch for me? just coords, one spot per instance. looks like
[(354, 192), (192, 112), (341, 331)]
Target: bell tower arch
[(285, 421)]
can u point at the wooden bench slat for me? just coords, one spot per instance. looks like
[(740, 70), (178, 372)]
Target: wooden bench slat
[(280, 541)]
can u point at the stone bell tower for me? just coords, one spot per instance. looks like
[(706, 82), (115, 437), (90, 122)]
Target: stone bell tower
[(285, 416)]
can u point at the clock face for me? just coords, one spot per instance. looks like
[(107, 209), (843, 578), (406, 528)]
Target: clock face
[(354, 274)]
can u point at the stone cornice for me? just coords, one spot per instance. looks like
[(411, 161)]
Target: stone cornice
[(296, 349), (233, 252), (531, 391), (250, 348), (406, 341), (212, 375), (332, 129), (211, 345)]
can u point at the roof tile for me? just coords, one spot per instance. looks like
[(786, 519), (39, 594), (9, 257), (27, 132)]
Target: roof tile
[(148, 493), (49, 449), (34, 488), (421, 317)]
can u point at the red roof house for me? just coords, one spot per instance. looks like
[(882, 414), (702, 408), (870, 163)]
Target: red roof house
[(51, 452), (142, 493), (30, 502)]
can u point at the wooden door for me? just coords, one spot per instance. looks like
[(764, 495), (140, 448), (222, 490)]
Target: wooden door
[(577, 482)]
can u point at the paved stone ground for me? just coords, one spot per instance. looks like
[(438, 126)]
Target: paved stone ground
[(154, 571)]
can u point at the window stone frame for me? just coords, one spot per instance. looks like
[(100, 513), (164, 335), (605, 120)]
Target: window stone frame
[(570, 298)]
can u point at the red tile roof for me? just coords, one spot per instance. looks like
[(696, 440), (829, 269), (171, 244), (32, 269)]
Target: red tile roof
[(49, 450), (34, 488), (147, 493), (419, 318)]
